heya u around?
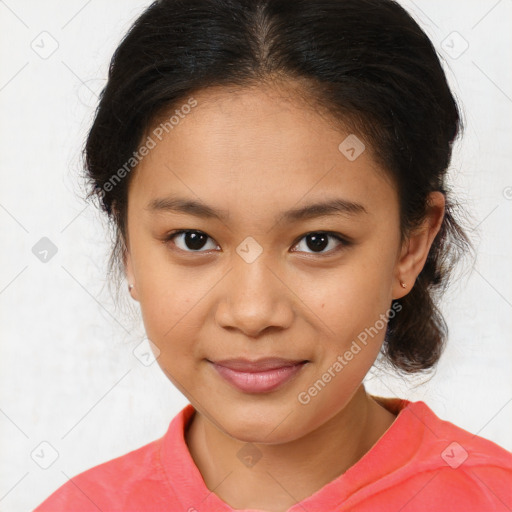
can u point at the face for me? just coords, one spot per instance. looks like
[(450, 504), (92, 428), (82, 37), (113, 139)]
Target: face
[(259, 273)]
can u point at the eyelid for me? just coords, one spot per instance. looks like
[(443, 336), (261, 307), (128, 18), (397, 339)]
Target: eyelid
[(345, 241), (169, 236)]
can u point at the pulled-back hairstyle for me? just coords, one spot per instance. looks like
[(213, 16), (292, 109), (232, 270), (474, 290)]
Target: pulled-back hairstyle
[(367, 62)]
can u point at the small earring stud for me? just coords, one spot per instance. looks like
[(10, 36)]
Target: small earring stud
[(130, 287), (402, 284)]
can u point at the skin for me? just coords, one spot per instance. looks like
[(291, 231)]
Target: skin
[(256, 153)]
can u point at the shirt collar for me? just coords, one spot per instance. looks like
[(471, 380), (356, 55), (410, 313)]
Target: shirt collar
[(188, 485)]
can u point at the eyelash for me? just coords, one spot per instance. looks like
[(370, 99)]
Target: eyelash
[(344, 242)]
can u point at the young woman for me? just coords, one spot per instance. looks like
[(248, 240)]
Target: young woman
[(275, 171)]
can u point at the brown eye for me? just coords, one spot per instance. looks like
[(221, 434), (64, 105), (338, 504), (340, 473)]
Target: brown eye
[(320, 240), (189, 240)]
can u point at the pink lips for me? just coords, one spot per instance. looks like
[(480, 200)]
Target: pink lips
[(258, 376)]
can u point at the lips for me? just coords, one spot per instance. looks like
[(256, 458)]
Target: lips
[(258, 376)]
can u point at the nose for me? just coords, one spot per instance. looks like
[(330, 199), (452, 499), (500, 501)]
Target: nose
[(254, 299)]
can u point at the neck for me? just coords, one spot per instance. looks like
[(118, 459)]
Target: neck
[(290, 472)]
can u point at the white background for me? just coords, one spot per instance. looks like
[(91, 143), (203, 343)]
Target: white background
[(68, 374)]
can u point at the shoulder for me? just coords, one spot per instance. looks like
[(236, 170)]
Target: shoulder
[(454, 446), (482, 487), (142, 479), (460, 470), (105, 486)]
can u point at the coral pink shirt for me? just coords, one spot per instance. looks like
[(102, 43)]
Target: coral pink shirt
[(421, 463)]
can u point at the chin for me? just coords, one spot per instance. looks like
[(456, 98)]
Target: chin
[(262, 424)]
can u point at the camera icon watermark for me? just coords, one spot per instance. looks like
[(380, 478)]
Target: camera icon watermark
[(454, 455), (352, 147), (507, 193), (45, 45), (44, 455), (454, 45), (44, 250), (146, 352), (249, 250), (249, 455)]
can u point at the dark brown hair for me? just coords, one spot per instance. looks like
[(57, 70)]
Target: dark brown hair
[(366, 61)]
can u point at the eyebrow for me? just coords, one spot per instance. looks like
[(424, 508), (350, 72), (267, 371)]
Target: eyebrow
[(336, 206)]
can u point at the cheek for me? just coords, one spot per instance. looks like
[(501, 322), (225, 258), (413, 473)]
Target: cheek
[(349, 298), (170, 307), (170, 300)]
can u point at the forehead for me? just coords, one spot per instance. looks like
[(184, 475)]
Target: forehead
[(244, 145)]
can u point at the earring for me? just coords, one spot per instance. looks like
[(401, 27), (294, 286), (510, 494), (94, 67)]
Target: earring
[(402, 284), (130, 287)]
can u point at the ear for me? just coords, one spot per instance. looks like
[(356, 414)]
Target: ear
[(130, 276), (416, 247), (128, 267), (127, 258)]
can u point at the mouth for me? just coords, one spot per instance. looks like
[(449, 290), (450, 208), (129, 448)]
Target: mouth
[(259, 376)]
